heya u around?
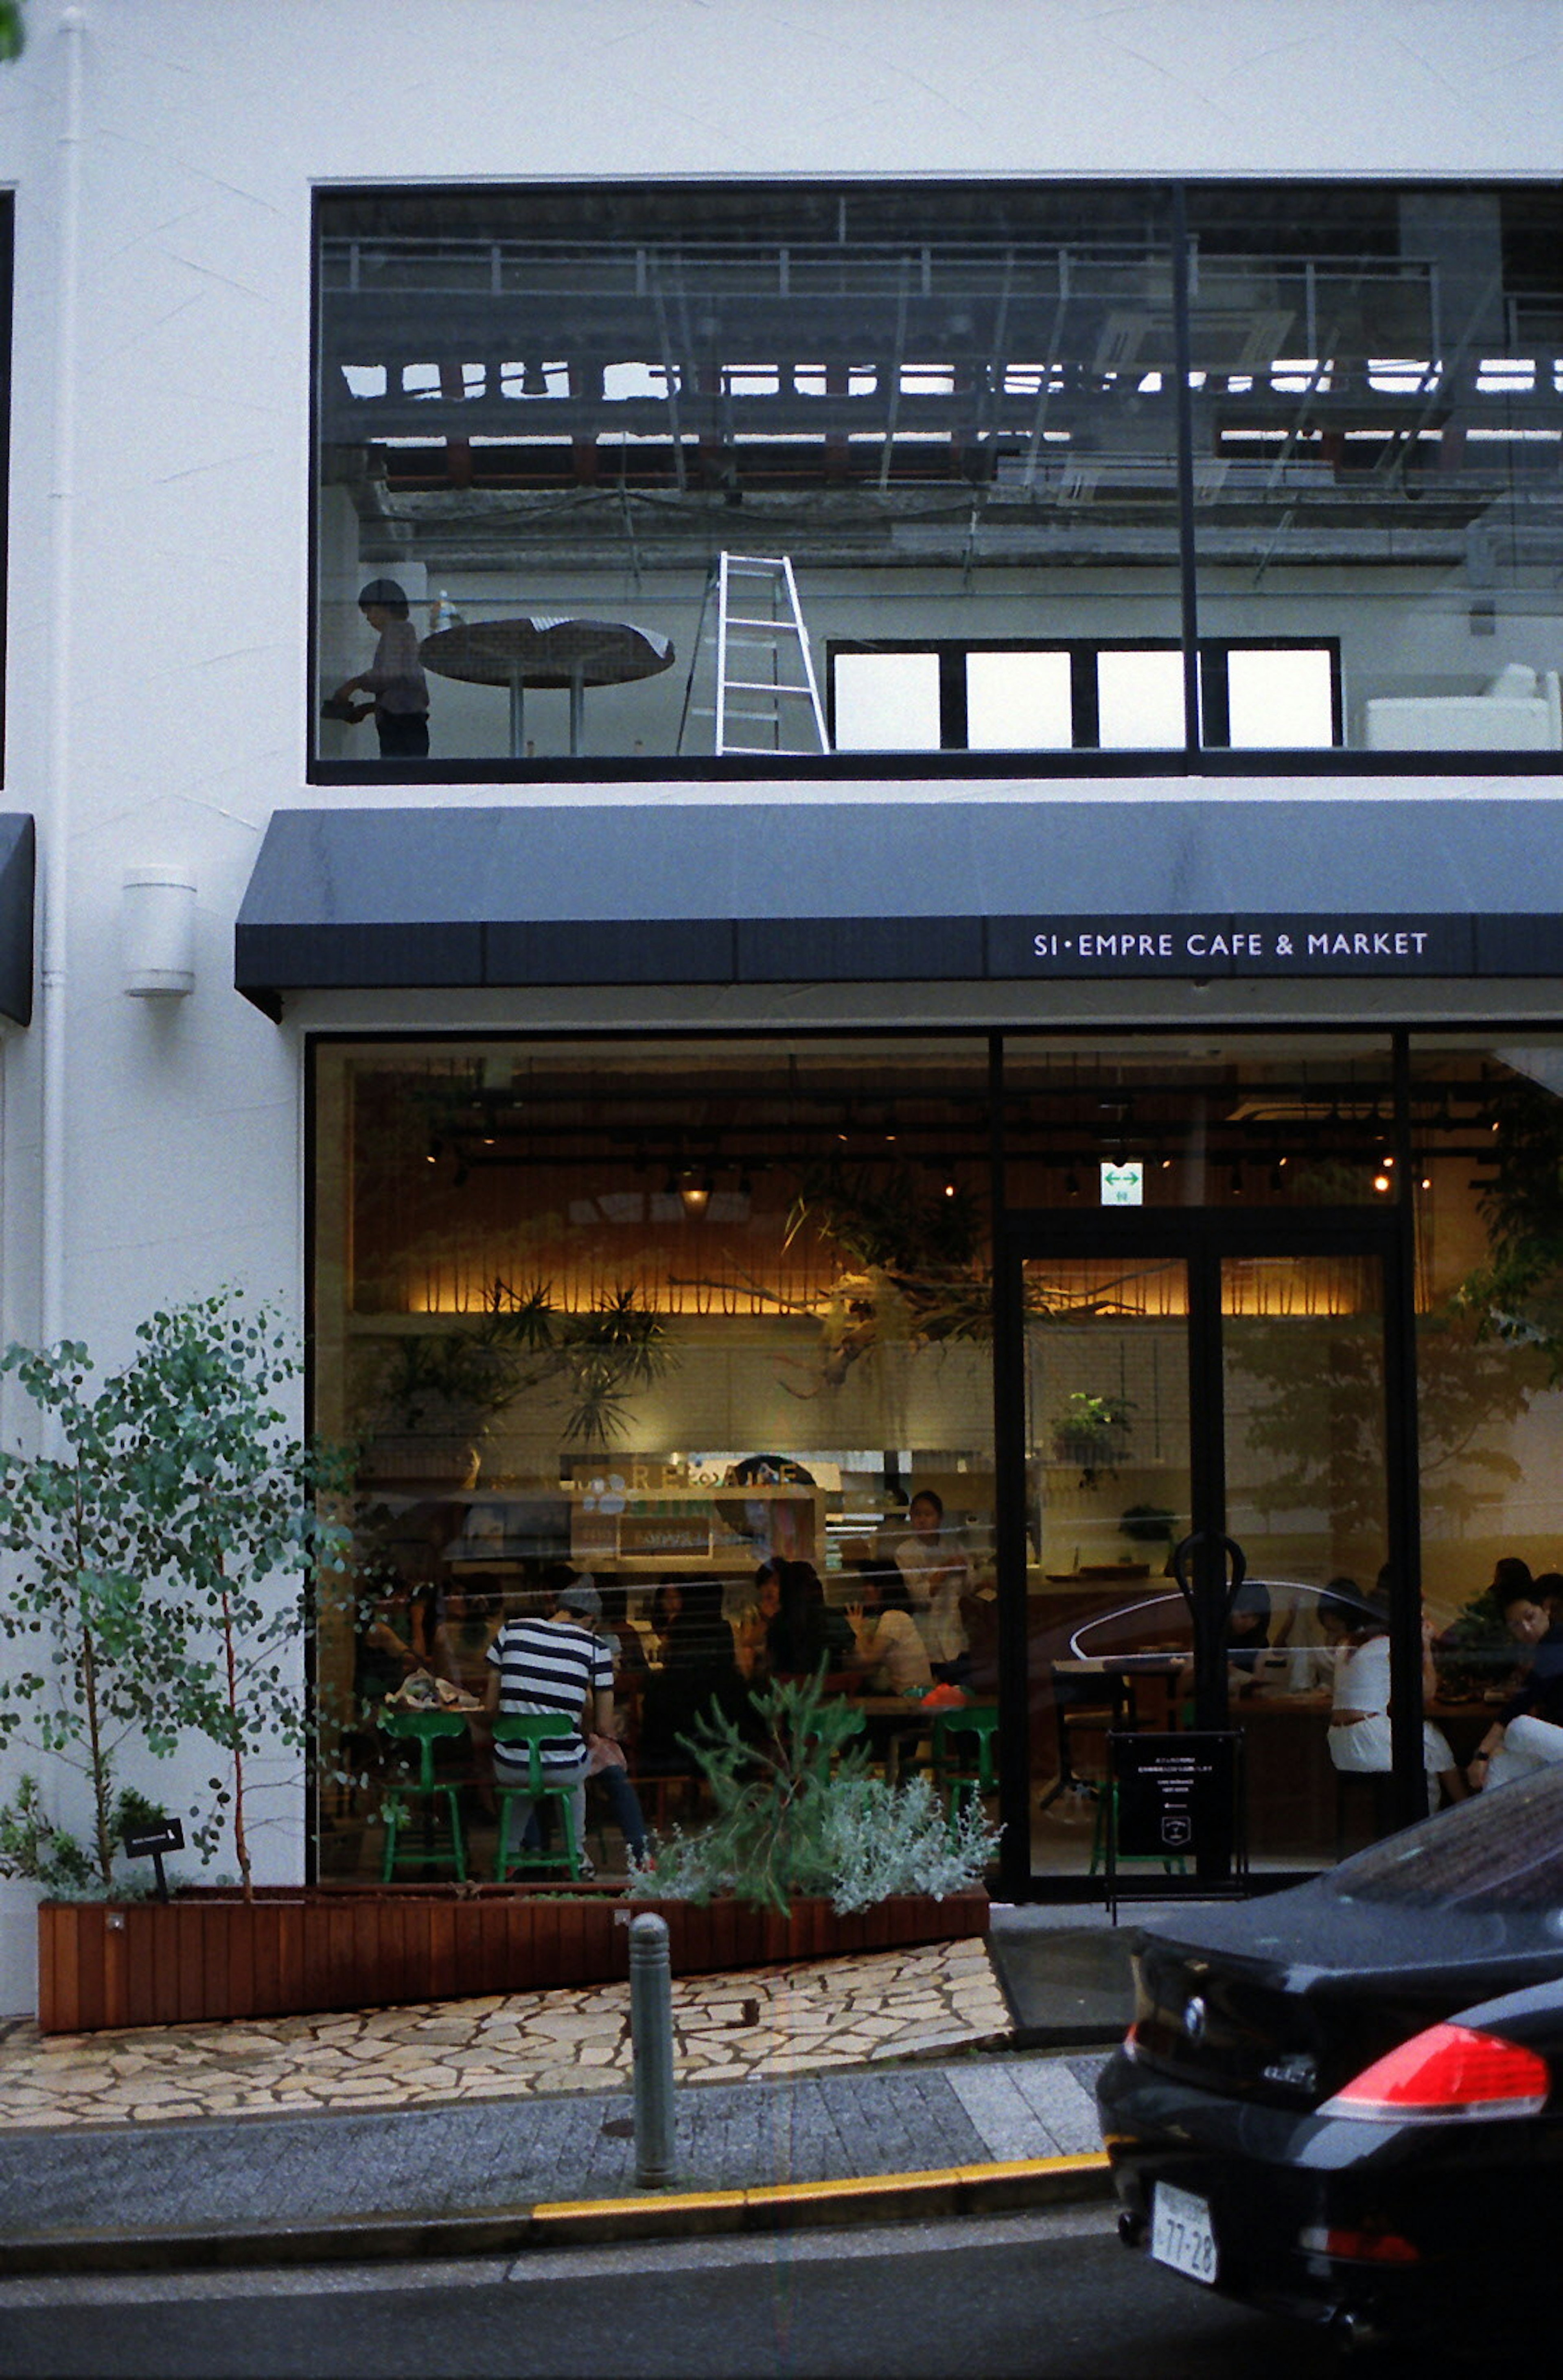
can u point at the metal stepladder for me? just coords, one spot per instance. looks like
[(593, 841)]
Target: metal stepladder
[(764, 695)]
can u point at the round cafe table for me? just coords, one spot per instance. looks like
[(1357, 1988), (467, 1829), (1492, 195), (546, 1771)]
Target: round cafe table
[(542, 653)]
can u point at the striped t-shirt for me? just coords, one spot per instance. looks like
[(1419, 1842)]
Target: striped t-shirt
[(548, 1664)]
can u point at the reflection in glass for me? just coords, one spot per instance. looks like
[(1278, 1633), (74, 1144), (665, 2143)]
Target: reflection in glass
[(1377, 402), (1018, 702), (1140, 701), (948, 406), (1280, 699), (886, 702)]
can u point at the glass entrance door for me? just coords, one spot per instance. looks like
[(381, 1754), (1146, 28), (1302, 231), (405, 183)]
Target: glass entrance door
[(1205, 1488)]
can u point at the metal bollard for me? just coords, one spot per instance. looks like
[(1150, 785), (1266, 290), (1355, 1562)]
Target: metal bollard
[(651, 2040)]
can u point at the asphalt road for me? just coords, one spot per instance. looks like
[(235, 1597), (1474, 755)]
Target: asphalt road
[(1053, 2296)]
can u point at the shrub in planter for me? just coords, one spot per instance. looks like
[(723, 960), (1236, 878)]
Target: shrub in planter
[(797, 1814)]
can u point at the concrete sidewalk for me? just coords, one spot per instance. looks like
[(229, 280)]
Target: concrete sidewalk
[(824, 2091), (476, 2177)]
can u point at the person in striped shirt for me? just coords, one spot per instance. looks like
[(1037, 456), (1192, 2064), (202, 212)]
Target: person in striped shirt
[(553, 1663)]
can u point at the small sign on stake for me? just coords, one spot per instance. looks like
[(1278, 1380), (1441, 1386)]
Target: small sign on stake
[(151, 1842)]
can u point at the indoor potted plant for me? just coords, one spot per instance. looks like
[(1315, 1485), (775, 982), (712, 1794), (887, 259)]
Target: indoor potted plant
[(1092, 1434)]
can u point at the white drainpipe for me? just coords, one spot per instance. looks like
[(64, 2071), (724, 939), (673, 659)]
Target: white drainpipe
[(54, 840)]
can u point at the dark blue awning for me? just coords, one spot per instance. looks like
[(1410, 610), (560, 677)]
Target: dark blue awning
[(17, 867), (901, 891)]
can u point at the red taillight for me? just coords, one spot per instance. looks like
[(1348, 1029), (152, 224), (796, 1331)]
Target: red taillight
[(1448, 2071), (1369, 2243)]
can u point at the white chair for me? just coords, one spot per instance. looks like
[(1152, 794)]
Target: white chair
[(1518, 712)]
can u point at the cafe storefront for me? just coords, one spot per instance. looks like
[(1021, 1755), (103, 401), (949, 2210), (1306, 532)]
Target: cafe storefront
[(626, 1257)]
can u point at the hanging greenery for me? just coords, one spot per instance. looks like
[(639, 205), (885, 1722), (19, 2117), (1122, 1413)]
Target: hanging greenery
[(1516, 1294), (522, 1342)]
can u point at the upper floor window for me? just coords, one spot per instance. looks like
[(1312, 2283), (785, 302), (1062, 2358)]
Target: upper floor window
[(620, 474)]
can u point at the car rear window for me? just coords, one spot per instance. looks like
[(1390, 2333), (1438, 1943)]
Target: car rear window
[(1504, 1850)]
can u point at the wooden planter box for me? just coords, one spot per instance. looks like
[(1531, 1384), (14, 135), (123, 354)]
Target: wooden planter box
[(210, 1954)]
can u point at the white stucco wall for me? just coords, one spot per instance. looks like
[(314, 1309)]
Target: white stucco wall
[(157, 589)]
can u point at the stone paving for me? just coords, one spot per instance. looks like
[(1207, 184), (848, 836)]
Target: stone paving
[(761, 2025)]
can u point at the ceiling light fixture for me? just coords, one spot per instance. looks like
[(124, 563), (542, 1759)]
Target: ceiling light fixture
[(696, 1195)]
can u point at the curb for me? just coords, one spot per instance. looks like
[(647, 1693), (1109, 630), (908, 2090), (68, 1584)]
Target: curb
[(875, 2198)]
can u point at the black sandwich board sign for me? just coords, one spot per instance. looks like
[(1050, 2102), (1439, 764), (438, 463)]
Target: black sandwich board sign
[(1177, 1800)]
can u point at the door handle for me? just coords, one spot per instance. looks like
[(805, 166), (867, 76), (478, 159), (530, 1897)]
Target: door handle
[(1229, 1546)]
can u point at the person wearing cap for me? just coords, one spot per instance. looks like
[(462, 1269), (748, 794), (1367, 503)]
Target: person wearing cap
[(553, 1662), (394, 680)]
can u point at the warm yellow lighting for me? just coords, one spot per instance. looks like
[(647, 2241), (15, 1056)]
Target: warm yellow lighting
[(695, 1196), (1381, 1181)]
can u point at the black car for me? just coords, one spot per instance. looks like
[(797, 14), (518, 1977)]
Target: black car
[(1346, 2101)]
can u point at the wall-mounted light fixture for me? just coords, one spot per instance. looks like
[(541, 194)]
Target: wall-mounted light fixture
[(695, 1196), (157, 933)]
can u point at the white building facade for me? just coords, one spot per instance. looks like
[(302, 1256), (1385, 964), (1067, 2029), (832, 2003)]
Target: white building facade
[(1160, 415)]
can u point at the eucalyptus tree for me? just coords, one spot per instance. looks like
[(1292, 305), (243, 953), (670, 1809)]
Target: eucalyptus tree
[(162, 1548)]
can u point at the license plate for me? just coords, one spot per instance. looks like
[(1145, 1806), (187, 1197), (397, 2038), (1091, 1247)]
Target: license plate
[(1182, 2235)]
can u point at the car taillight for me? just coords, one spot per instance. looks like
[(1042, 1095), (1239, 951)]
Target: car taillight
[(1448, 2070), (1366, 2243)]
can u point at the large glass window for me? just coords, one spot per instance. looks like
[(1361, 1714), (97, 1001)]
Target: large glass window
[(939, 432), (701, 1323), (1487, 1115), (904, 414), (672, 1313), (1377, 406)]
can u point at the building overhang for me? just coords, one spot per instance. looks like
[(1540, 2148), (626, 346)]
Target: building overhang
[(17, 872), (900, 892)]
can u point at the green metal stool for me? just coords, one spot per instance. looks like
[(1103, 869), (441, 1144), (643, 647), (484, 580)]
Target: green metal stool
[(534, 1729), (424, 1728), (976, 1775)]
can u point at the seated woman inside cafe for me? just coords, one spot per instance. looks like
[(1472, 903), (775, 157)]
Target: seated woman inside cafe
[(752, 1629), (698, 1666), (1357, 1631), (667, 1603), (887, 1643), (937, 1574), (805, 1635)]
